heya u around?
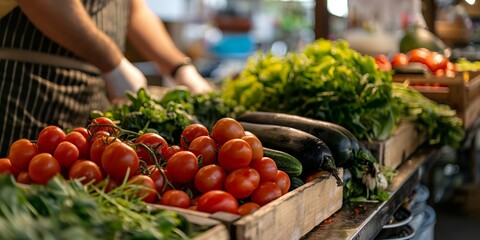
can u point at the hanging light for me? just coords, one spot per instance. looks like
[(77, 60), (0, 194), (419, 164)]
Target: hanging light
[(338, 8)]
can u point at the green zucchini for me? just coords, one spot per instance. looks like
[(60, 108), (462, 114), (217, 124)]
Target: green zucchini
[(295, 182), (285, 162), (342, 143), (312, 152)]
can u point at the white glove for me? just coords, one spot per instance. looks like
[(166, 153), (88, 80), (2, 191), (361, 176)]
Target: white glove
[(188, 76), (124, 77)]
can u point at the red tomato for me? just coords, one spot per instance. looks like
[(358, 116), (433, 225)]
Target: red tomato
[(21, 153), (66, 154), (157, 177), (399, 59), (49, 138), (283, 181), (97, 148), (111, 184), (175, 198), (210, 177), (217, 201), (266, 167), (24, 178), (436, 61), (234, 154), (118, 158), (266, 192), (82, 131), (102, 124), (191, 132), (156, 143), (5, 166), (81, 142), (97, 135), (255, 145), (418, 55), (242, 182), (171, 150), (248, 208), (86, 171), (182, 167), (226, 129), (206, 147), (43, 167), (383, 63), (148, 192)]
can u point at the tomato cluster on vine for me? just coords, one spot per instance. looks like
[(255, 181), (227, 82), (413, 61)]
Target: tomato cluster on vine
[(219, 170)]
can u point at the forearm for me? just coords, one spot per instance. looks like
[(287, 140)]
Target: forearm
[(148, 35), (67, 23)]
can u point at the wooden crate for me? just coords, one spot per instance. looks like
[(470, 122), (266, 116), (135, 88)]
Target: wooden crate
[(461, 93), (289, 217), (402, 144)]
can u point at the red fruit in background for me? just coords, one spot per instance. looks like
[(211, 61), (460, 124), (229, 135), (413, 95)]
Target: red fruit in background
[(43, 167), (49, 138), (399, 60), (21, 153), (226, 129), (5, 166), (383, 63), (191, 132)]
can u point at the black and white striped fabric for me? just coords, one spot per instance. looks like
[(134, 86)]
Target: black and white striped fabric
[(33, 95)]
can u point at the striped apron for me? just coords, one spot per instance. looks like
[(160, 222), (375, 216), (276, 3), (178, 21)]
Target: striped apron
[(33, 94)]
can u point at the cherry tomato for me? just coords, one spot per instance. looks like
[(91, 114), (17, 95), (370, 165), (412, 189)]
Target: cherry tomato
[(154, 142), (283, 181), (102, 124), (157, 177), (148, 193), (383, 63), (206, 147), (419, 55), (217, 201), (110, 185), (5, 166), (255, 145), (242, 182), (436, 61), (182, 167), (266, 167), (81, 142), (175, 198), (191, 132), (82, 131), (248, 208), (171, 150), (66, 154), (97, 135), (49, 138), (98, 147), (234, 154), (86, 171), (43, 167), (399, 59), (118, 158), (226, 129), (266, 192), (24, 178), (21, 153), (210, 177)]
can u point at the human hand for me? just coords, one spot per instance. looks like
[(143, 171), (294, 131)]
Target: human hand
[(124, 77), (188, 76)]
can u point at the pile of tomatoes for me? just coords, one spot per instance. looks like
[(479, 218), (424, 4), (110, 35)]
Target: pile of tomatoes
[(437, 63), (221, 170)]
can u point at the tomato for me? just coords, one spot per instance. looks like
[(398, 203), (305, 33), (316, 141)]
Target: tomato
[(49, 138), (206, 147), (194, 201), (175, 198), (43, 167), (248, 208), (81, 142), (191, 132), (82, 131), (217, 201), (118, 158), (234, 154), (436, 61), (98, 147), (210, 177), (21, 153), (5, 166), (266, 192), (450, 70), (283, 181), (156, 143), (86, 171), (255, 145), (399, 59), (110, 185), (171, 150), (148, 192), (102, 124), (419, 55), (97, 135), (182, 167), (24, 178), (226, 129), (266, 167), (157, 177), (242, 182), (383, 63), (66, 154)]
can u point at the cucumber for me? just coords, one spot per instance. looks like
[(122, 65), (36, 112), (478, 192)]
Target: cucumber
[(285, 162), (342, 143), (312, 152), (295, 182)]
